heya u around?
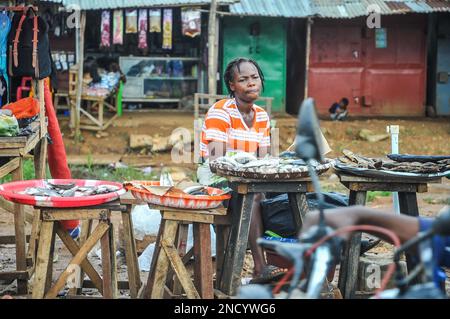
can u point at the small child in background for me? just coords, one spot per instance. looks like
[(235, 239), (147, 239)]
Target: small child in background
[(338, 111)]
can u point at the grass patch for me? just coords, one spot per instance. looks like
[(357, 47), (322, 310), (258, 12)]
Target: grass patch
[(90, 172), (371, 195), (111, 174), (28, 172)]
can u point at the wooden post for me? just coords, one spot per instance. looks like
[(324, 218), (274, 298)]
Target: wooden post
[(79, 38), (308, 51), (212, 57)]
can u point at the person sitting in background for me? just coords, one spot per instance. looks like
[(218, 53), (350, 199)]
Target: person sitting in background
[(338, 111)]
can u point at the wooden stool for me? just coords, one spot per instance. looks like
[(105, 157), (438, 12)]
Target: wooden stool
[(104, 232), (407, 189), (166, 253), (57, 97)]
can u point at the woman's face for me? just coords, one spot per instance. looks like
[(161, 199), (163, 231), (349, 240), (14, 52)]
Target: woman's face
[(246, 84)]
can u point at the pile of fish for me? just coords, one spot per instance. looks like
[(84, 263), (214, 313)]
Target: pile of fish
[(286, 163), (354, 160), (68, 190)]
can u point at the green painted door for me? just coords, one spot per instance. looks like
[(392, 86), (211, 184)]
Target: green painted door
[(264, 40)]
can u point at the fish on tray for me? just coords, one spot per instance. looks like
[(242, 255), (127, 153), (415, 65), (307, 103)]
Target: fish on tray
[(68, 190)]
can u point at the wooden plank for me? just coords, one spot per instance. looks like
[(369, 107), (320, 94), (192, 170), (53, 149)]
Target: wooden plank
[(85, 264), (216, 211), (34, 237), (396, 179), (237, 245), (185, 259), (19, 231), (299, 207), (9, 167), (99, 231), (32, 142), (131, 254), (189, 217), (42, 260), (13, 275), (77, 214), (203, 273), (278, 187), (41, 107), (86, 229), (181, 245), (348, 273), (108, 291), (158, 272), (90, 117), (40, 155), (10, 152), (408, 206), (179, 269), (11, 239), (389, 187), (234, 179)]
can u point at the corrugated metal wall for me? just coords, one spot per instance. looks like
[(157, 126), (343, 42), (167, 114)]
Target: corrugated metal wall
[(345, 62)]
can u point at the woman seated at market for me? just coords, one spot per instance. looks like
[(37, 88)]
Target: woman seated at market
[(237, 124)]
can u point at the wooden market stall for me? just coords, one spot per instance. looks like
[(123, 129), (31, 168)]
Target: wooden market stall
[(13, 151)]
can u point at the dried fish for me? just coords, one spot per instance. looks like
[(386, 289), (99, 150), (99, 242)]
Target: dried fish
[(61, 186)]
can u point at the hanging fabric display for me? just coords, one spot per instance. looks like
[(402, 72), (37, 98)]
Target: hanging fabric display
[(191, 21), (131, 21), (155, 20), (105, 29), (167, 29), (142, 29), (5, 26), (118, 27)]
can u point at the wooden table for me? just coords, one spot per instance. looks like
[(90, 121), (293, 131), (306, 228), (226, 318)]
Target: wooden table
[(16, 148), (407, 189), (230, 267)]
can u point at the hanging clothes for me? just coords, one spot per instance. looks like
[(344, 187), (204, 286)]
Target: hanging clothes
[(131, 21), (5, 27), (118, 27), (167, 29), (105, 29), (191, 22), (143, 24), (155, 20)]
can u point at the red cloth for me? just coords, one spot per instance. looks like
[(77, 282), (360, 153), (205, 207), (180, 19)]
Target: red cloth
[(57, 160)]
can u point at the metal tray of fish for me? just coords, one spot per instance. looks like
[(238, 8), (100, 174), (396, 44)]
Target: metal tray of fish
[(62, 192), (369, 172), (282, 172)]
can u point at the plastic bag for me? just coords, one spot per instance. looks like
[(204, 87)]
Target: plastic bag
[(8, 125), (146, 221), (145, 259)]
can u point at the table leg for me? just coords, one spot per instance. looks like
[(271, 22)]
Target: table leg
[(134, 278), (181, 244), (40, 155), (19, 228), (299, 207), (408, 206), (43, 261), (237, 245), (348, 271), (202, 260)]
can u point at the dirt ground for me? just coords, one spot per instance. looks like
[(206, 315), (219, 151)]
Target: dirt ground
[(417, 136)]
